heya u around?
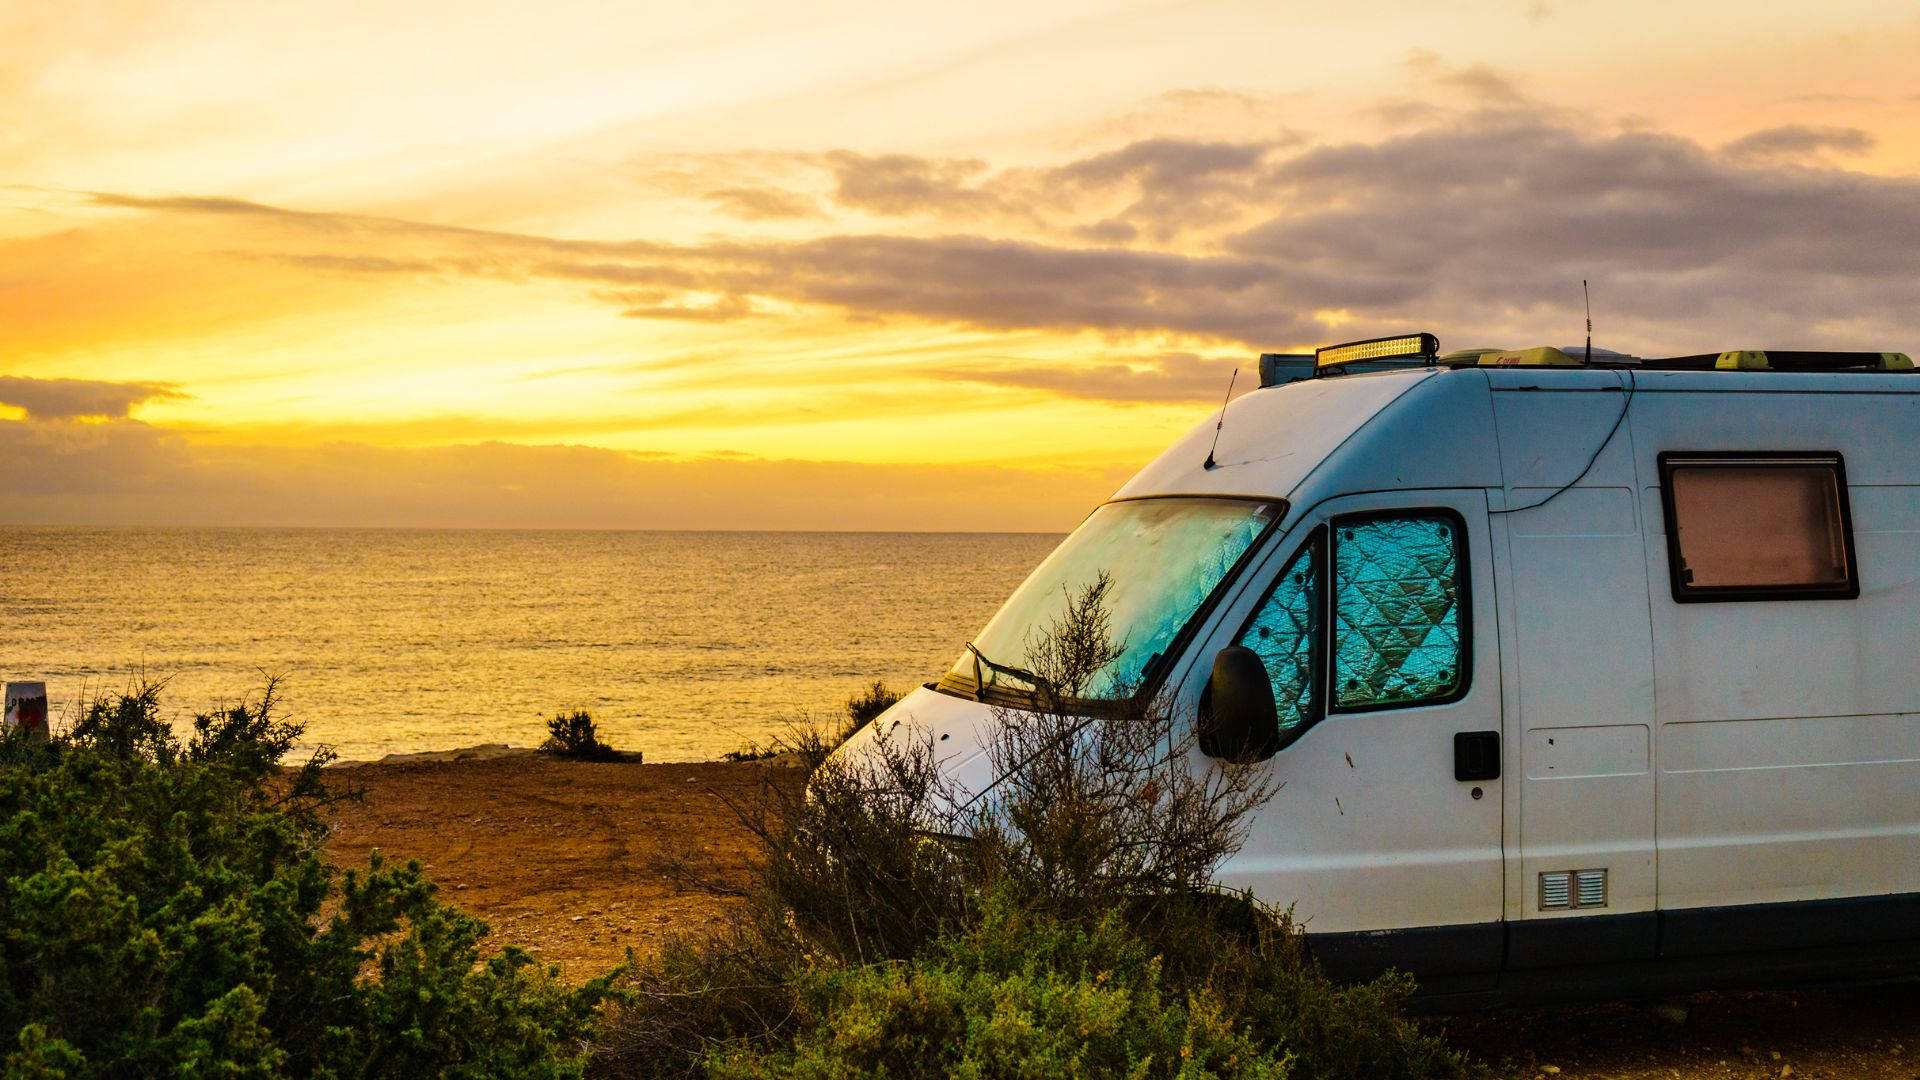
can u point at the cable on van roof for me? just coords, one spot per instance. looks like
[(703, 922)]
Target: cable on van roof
[(1632, 387)]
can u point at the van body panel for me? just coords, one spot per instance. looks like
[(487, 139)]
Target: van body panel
[(1581, 660), (1440, 433), (1789, 729), (957, 729), (1368, 828)]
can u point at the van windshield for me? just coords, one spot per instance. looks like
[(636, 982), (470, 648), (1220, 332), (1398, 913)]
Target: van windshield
[(1164, 556)]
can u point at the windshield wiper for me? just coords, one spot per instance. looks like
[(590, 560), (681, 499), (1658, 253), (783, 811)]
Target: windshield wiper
[(980, 683)]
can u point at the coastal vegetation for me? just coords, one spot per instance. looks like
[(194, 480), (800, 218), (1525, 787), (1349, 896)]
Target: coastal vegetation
[(1061, 925), (867, 704), (167, 911), (576, 737)]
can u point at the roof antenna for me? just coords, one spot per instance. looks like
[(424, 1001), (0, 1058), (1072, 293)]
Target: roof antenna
[(1223, 418), (1588, 298)]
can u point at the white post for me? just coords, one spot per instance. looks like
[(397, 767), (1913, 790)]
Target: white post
[(27, 708)]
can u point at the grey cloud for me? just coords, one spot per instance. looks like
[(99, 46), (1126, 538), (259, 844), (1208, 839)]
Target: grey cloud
[(1107, 233), (970, 280), (1406, 112), (1004, 284), (1175, 185), (1502, 222), (1179, 185), (1797, 142), (763, 204), (1536, 195), (905, 184), (1483, 85), (1175, 378), (66, 399), (1170, 165), (1484, 227)]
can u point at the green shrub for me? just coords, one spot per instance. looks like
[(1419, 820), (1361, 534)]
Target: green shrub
[(867, 704), (168, 911), (1017, 994), (575, 736)]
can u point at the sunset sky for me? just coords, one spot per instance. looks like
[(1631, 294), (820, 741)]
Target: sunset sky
[(869, 265)]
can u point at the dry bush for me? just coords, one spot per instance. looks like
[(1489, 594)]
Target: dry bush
[(1104, 817)]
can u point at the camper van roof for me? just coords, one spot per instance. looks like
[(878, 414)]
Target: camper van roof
[(1271, 440)]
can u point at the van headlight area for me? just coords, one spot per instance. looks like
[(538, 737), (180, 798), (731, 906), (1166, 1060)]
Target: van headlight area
[(1575, 673)]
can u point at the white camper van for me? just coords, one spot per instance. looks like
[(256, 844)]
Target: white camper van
[(1574, 672)]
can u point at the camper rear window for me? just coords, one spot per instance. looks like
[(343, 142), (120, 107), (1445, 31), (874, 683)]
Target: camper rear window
[(1758, 527)]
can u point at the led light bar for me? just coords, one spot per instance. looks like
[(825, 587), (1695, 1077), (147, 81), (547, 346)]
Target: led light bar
[(1402, 347)]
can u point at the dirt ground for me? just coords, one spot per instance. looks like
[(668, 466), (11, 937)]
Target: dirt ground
[(564, 859), (559, 857)]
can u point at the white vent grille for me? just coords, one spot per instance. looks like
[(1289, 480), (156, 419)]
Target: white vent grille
[(1556, 891), (1589, 888)]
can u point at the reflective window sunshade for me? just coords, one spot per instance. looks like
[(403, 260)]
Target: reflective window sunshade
[(1284, 631), (1396, 610)]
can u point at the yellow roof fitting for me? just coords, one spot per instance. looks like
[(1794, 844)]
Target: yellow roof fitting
[(1743, 360)]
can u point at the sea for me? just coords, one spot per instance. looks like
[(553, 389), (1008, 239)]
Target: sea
[(681, 645)]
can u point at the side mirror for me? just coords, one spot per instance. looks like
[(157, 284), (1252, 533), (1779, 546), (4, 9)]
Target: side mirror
[(1238, 719)]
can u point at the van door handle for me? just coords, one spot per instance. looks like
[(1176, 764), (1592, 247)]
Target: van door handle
[(1476, 755)]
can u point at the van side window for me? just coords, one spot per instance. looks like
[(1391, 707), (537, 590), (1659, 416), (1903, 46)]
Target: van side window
[(1758, 526), (1398, 634), (1286, 634)]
